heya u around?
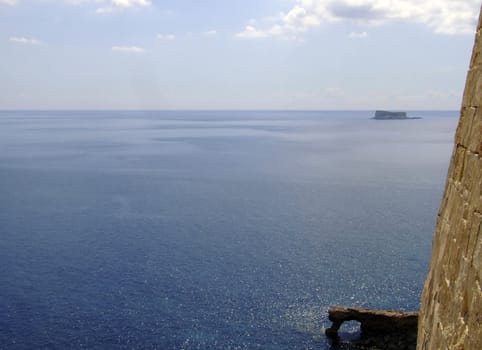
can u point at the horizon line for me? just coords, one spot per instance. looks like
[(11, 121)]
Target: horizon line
[(214, 110)]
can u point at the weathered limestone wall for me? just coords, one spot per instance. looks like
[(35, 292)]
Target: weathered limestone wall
[(451, 310)]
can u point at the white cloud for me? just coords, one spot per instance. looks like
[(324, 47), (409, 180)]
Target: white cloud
[(119, 5), (251, 32), (442, 16), (8, 2), (24, 40), (82, 2), (358, 35), (129, 49), (210, 33), (166, 37), (130, 3)]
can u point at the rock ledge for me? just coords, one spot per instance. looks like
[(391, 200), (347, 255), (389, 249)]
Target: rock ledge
[(381, 328)]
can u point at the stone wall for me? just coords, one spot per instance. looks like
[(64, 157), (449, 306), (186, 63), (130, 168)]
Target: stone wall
[(451, 308)]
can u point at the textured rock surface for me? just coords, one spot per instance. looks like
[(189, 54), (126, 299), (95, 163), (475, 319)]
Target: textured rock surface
[(451, 308), (373, 321), (379, 328)]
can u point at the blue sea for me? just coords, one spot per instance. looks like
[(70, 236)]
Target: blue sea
[(211, 229)]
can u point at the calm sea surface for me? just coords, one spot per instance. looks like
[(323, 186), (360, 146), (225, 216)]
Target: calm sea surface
[(210, 230)]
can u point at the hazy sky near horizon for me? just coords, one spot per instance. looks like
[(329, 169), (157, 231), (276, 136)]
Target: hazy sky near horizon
[(235, 54)]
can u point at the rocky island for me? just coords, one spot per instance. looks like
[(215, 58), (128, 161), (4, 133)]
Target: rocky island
[(386, 115)]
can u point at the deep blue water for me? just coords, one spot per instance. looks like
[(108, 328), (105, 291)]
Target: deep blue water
[(210, 230)]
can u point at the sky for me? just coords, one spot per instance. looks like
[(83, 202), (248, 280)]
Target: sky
[(235, 54)]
